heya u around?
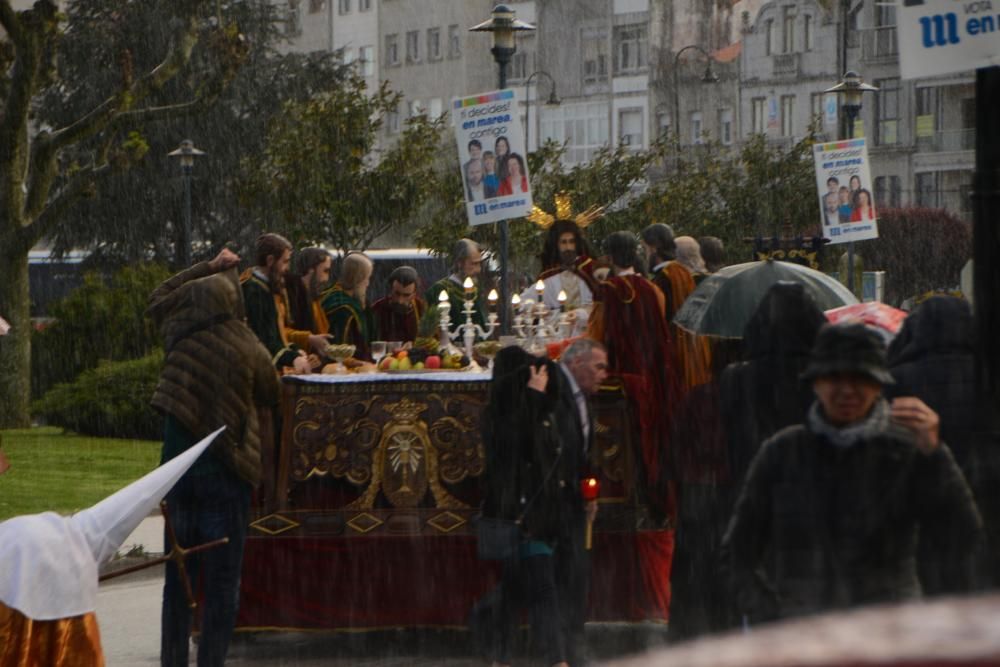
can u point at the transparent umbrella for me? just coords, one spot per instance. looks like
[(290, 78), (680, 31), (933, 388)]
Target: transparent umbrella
[(723, 303)]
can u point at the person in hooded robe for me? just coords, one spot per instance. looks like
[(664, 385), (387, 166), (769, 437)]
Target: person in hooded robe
[(675, 280), (50, 565), (933, 357), (215, 372)]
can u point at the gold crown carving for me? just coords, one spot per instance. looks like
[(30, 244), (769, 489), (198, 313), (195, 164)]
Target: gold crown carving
[(405, 410), (564, 211)]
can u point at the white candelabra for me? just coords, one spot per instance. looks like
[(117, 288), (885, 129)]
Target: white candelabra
[(535, 323), (469, 330)]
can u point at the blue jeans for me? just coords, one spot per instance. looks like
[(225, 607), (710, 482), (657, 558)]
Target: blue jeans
[(203, 508)]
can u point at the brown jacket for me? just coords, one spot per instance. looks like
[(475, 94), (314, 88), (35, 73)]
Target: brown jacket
[(215, 371)]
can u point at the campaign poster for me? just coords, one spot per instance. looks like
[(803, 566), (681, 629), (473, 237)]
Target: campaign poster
[(947, 36), (844, 184), (492, 157)]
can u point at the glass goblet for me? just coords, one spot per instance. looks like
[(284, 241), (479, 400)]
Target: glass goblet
[(379, 348)]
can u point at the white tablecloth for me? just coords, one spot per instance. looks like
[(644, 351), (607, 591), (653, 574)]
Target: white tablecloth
[(442, 376)]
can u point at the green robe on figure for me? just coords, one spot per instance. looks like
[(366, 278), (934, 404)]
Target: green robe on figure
[(350, 322), (456, 297), (262, 316)]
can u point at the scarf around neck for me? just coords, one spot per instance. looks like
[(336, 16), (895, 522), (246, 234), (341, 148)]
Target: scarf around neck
[(876, 422)]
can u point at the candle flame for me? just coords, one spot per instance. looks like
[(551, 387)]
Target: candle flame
[(468, 283), (442, 297), (515, 300), (562, 296), (493, 296), (540, 286)]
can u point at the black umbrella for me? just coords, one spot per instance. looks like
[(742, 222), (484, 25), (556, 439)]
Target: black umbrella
[(723, 303)]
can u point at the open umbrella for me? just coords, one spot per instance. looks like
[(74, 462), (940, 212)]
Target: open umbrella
[(723, 303), (871, 313)]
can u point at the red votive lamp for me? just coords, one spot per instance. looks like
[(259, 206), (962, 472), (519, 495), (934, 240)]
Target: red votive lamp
[(590, 488)]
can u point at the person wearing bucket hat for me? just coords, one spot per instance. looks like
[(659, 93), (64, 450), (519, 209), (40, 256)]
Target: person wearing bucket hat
[(840, 501)]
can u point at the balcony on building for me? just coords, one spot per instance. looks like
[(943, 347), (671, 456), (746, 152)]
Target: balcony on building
[(880, 45)]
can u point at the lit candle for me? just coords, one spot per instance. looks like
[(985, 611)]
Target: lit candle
[(492, 298), (515, 301), (562, 299), (468, 286), (540, 288), (443, 299)]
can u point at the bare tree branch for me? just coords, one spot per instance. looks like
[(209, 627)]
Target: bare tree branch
[(57, 205), (11, 24), (102, 115)]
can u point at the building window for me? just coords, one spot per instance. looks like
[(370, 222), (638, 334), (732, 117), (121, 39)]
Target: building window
[(630, 128), (415, 108), (413, 46), (316, 6), (520, 66), (367, 60), (787, 115), (436, 107), (887, 191), (662, 125), (808, 36), (630, 49), (927, 189), (696, 128), (582, 127), (726, 126), (454, 42), (364, 5), (594, 43), (392, 49), (816, 108), (788, 29), (344, 6), (392, 121), (887, 112), (433, 44), (769, 37), (348, 56), (758, 115)]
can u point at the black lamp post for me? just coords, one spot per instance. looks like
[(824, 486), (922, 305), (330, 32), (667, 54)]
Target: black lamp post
[(503, 24), (850, 90), (553, 101), (186, 153), (709, 76)]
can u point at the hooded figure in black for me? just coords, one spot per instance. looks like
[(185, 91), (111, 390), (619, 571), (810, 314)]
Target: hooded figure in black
[(933, 358), (522, 481), (764, 393)]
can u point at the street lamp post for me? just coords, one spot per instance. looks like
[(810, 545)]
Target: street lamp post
[(851, 89), (186, 153), (552, 101), (503, 24), (708, 77)]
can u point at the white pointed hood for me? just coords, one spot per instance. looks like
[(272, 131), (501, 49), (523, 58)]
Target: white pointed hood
[(49, 563)]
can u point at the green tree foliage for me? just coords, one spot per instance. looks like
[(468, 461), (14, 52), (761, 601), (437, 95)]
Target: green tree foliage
[(325, 180), (48, 162), (920, 250), (98, 321), (760, 190), (230, 125)]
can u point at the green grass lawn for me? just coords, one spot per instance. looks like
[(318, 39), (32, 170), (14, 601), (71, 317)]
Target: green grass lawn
[(65, 472)]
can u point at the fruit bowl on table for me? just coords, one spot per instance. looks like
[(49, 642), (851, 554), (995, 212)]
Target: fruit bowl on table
[(419, 361), (340, 352)]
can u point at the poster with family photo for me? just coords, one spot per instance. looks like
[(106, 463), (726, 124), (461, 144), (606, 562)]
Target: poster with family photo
[(844, 184), (492, 157)]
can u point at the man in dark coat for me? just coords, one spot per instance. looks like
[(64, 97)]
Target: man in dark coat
[(840, 500), (583, 367), (934, 359)]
